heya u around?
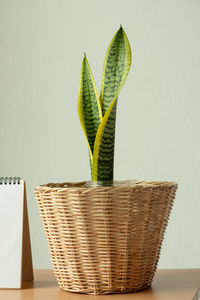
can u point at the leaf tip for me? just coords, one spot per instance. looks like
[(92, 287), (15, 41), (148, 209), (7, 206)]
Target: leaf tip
[(120, 29)]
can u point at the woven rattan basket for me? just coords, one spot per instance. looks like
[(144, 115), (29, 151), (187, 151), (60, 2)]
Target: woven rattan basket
[(105, 239)]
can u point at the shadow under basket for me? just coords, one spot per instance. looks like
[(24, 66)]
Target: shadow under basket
[(105, 239)]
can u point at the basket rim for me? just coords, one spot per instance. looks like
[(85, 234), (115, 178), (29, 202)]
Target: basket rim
[(117, 184)]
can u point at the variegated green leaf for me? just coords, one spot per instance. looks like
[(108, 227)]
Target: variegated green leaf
[(103, 158), (89, 109), (116, 67)]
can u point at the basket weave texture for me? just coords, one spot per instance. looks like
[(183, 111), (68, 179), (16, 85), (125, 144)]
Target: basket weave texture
[(105, 239)]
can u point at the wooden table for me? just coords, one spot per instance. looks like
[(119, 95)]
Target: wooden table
[(168, 285)]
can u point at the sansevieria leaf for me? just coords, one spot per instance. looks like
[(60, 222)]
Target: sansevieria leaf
[(89, 109), (115, 70)]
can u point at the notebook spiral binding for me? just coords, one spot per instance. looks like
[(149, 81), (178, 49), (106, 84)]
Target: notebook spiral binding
[(10, 180)]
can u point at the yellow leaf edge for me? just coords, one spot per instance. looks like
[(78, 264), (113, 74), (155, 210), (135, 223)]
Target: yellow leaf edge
[(80, 101), (104, 66), (102, 125)]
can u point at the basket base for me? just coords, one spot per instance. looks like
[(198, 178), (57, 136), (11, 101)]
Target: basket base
[(103, 292)]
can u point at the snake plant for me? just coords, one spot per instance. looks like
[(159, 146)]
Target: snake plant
[(97, 114)]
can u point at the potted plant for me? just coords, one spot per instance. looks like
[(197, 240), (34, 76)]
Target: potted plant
[(104, 236)]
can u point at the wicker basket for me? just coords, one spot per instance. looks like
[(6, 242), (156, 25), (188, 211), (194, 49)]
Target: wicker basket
[(105, 239)]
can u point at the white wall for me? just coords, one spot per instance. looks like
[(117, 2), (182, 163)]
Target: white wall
[(41, 48)]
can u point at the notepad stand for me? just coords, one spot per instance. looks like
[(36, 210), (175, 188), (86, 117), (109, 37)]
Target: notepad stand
[(15, 248)]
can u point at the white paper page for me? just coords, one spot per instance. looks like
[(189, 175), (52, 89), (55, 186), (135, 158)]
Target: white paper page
[(11, 219)]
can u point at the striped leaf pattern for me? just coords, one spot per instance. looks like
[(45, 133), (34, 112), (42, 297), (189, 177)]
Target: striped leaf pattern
[(89, 108), (103, 160), (116, 67), (113, 70), (98, 115)]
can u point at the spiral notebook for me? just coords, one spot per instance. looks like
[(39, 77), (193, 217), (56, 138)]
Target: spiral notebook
[(15, 247)]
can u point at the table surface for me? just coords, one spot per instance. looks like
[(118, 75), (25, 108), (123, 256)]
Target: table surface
[(167, 285)]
